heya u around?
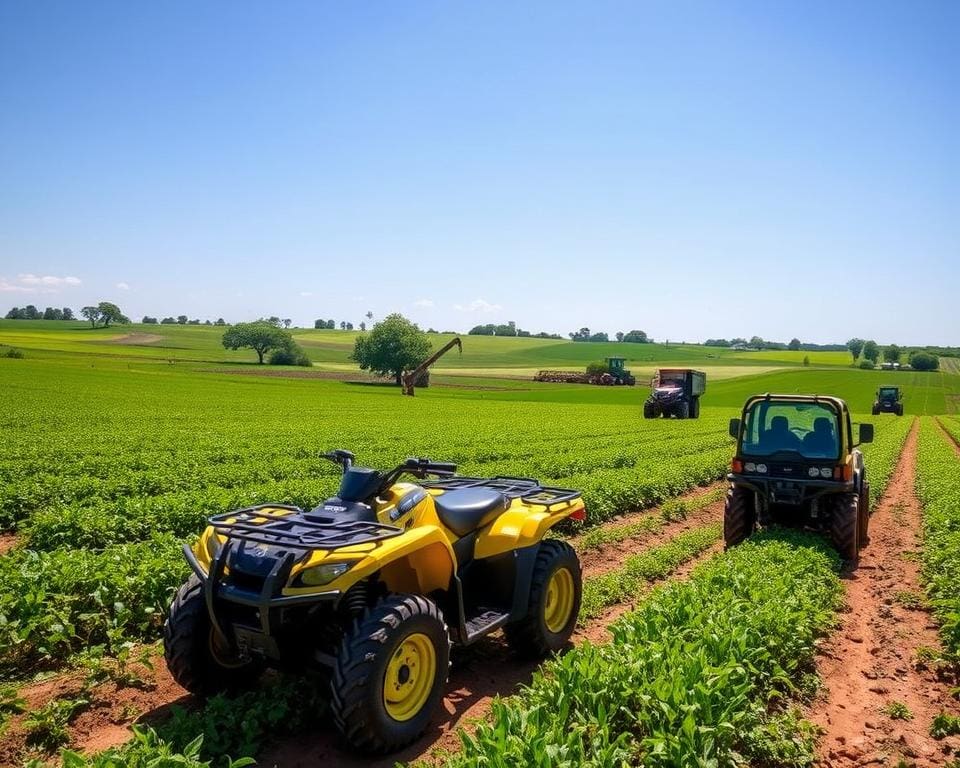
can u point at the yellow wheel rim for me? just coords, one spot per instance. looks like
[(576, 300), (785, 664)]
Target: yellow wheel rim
[(559, 602), (411, 673)]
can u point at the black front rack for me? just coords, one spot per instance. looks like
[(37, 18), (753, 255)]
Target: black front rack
[(526, 489), (294, 531)]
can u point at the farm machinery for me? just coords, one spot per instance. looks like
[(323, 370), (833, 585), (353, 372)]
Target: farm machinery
[(420, 376), (370, 587), (612, 371), (797, 464), (888, 400), (676, 392)]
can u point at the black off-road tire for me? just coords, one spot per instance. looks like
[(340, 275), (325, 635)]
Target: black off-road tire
[(875, 410), (739, 515), (188, 647), (845, 526), (863, 515), (683, 410), (356, 688), (530, 637), (899, 409), (648, 411), (695, 408)]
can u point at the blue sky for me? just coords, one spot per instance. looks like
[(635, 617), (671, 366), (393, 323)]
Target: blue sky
[(691, 169)]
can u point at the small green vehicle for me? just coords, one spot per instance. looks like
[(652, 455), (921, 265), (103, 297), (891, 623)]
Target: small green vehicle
[(797, 464)]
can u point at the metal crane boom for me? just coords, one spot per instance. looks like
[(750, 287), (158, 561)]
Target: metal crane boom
[(410, 377)]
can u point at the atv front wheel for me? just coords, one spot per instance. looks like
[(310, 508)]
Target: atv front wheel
[(648, 411), (389, 674), (875, 410), (739, 515), (683, 411), (845, 526), (554, 604), (197, 657)]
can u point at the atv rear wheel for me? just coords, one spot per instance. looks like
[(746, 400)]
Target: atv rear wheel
[(198, 659), (554, 604), (845, 526), (389, 673), (863, 514), (739, 515), (899, 410)]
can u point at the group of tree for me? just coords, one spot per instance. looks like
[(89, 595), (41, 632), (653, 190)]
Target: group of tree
[(266, 337), (509, 329), (332, 325), (758, 342), (181, 320), (870, 351), (104, 314), (631, 337), (393, 346), (30, 312)]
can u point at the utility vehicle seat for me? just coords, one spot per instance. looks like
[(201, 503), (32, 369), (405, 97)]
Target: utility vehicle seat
[(466, 509)]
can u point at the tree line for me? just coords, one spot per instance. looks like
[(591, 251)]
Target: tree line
[(867, 354), (30, 312)]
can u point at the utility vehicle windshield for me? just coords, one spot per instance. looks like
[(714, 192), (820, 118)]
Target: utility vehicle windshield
[(808, 429), (674, 381), (888, 392)]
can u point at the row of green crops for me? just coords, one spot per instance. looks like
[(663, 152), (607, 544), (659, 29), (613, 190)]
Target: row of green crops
[(938, 486), (695, 676)]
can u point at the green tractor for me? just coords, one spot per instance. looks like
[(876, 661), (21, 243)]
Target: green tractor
[(889, 400), (797, 464), (611, 371)]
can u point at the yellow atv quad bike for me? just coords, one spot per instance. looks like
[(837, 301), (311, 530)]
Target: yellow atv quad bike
[(371, 586)]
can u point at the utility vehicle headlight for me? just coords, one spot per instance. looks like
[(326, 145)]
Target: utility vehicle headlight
[(813, 472), (826, 472), (761, 468), (750, 466), (322, 574)]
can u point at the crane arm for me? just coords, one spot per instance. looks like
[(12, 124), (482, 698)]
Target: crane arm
[(410, 377)]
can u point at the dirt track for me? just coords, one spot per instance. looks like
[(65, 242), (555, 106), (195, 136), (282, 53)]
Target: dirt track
[(870, 661), (479, 673)]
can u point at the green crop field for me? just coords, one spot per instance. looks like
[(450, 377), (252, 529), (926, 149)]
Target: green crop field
[(117, 445)]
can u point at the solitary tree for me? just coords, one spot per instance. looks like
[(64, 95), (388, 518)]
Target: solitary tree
[(924, 361), (92, 314), (261, 336), (794, 345), (67, 313), (220, 321), (110, 313), (619, 335), (892, 354), (393, 346), (856, 347), (636, 337), (871, 351), (369, 315), (287, 322), (182, 319)]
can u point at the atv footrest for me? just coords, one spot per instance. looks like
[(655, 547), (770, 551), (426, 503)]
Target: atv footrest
[(484, 623)]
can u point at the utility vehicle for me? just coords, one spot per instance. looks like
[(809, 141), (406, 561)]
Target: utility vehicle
[(889, 400), (797, 464), (676, 392), (371, 586)]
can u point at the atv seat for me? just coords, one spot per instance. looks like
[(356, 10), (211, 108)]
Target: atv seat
[(466, 509)]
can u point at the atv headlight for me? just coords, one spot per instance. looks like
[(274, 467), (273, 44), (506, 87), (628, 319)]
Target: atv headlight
[(761, 468), (826, 472), (813, 472), (750, 466), (319, 575)]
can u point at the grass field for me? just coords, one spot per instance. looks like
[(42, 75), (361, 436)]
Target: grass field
[(115, 452)]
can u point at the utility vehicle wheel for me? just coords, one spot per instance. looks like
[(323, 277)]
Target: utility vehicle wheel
[(739, 515), (695, 408), (648, 412), (683, 411), (875, 410), (863, 514), (899, 409), (389, 673), (554, 603), (845, 526), (196, 656)]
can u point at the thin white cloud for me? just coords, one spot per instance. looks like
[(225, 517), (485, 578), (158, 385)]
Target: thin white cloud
[(423, 303), (47, 281), (123, 286), (8, 287), (478, 305), (306, 293)]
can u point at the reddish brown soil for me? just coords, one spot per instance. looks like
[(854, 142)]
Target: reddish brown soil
[(478, 674), (7, 542), (871, 660)]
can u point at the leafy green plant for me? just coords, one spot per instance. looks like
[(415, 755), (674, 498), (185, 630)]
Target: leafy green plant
[(944, 725), (47, 726), (148, 750), (897, 710)]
